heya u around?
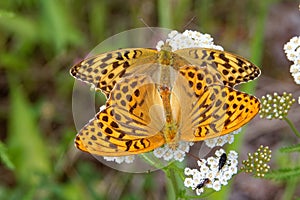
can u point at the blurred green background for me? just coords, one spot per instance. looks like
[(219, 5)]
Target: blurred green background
[(41, 39)]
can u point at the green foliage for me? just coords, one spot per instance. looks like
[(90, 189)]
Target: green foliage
[(4, 157), (283, 174), (289, 149), (55, 20), (25, 144), (287, 173)]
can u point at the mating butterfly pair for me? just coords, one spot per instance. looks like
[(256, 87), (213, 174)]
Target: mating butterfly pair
[(163, 97)]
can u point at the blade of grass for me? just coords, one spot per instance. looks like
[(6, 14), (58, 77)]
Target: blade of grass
[(98, 18), (4, 157), (181, 9), (56, 18), (164, 14), (26, 146)]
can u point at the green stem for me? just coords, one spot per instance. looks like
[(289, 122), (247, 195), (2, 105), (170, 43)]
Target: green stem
[(292, 126), (290, 188), (173, 173), (164, 13), (153, 162), (172, 181)]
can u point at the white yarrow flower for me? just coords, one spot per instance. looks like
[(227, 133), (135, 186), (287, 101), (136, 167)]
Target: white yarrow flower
[(199, 191), (209, 175), (167, 153), (221, 140), (189, 39), (217, 185), (120, 159), (129, 159), (292, 51), (188, 182), (296, 77), (188, 171)]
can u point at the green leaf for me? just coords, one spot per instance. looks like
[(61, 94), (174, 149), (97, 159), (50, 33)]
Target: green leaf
[(98, 13), (6, 14), (4, 157), (57, 27), (12, 61), (288, 149), (25, 32), (23, 27), (26, 146), (283, 174)]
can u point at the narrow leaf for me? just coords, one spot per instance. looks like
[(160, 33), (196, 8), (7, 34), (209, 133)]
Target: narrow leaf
[(283, 174), (5, 158), (26, 146), (288, 149)]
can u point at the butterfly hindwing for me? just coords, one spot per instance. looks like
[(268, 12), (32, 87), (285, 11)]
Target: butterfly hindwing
[(214, 109), (131, 123)]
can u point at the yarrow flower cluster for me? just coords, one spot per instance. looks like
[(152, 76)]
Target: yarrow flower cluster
[(222, 140), (167, 153), (120, 159), (257, 162), (188, 39), (276, 106), (292, 51), (213, 172)]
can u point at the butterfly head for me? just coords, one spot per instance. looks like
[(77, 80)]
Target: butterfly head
[(166, 47)]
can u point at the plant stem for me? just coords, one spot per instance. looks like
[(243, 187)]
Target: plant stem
[(172, 181), (290, 188), (151, 161), (164, 13), (292, 126)]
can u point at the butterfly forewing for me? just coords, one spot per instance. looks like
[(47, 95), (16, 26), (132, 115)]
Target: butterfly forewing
[(231, 69), (105, 70)]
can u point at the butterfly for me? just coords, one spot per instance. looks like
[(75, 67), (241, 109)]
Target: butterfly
[(103, 71), (157, 98)]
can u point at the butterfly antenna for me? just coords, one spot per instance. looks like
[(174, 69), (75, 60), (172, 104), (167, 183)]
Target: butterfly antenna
[(189, 22), (193, 156), (150, 28)]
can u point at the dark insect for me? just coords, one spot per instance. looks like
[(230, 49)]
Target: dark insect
[(202, 183), (222, 161)]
